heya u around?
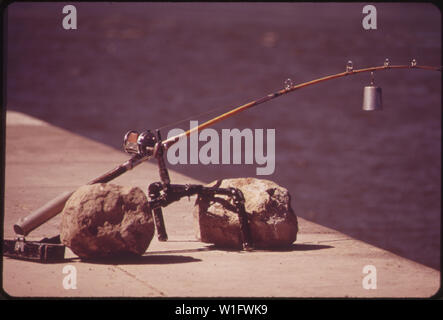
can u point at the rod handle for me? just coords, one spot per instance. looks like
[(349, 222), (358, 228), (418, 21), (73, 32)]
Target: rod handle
[(35, 219), (26, 224)]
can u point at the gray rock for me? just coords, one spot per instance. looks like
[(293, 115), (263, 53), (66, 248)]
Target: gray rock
[(107, 220), (272, 221)]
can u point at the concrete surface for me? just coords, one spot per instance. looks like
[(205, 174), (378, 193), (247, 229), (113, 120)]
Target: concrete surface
[(42, 161)]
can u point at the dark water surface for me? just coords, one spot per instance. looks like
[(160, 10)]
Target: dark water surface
[(375, 176)]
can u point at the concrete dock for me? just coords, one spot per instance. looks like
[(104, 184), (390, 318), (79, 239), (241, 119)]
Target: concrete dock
[(43, 161)]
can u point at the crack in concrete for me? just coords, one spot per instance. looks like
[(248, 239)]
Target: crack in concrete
[(141, 281)]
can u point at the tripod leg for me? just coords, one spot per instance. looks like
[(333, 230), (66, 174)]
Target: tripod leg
[(239, 202), (160, 224), (245, 231)]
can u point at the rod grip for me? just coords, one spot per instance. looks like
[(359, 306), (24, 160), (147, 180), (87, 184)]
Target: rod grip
[(26, 224)]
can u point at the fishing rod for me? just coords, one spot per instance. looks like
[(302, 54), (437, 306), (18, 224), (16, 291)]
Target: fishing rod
[(147, 145), (290, 88)]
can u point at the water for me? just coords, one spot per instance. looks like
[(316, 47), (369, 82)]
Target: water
[(373, 175)]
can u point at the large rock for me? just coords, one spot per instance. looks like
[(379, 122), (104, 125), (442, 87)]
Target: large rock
[(107, 220), (272, 221)]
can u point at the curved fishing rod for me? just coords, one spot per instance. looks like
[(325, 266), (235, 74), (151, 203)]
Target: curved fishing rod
[(167, 143), (145, 146)]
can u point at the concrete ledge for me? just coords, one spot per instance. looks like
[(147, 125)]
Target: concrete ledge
[(321, 263)]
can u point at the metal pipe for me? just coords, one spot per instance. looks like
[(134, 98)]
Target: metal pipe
[(35, 219)]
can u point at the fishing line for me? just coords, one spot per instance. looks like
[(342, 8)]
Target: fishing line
[(194, 117), (289, 87)]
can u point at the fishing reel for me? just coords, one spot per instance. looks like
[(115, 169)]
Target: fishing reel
[(140, 143)]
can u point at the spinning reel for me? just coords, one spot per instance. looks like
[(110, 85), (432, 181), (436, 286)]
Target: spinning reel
[(140, 143)]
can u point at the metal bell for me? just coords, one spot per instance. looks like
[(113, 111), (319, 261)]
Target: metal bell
[(372, 97)]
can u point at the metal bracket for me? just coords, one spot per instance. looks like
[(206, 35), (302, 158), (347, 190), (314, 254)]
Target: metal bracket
[(163, 193)]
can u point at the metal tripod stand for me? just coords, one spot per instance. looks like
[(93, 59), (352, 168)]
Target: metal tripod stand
[(163, 193)]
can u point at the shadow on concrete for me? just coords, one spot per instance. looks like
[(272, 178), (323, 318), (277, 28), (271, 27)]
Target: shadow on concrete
[(308, 247), (293, 247), (58, 261), (168, 257), (182, 251), (300, 247), (146, 259)]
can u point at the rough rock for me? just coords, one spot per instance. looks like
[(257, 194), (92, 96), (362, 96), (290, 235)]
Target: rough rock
[(272, 221), (106, 221)]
